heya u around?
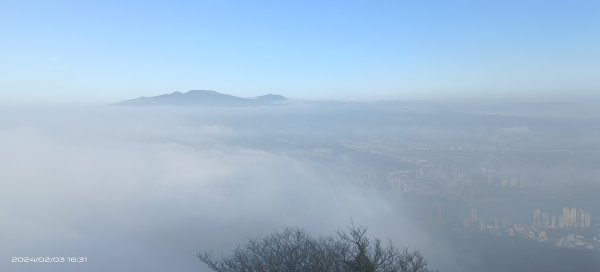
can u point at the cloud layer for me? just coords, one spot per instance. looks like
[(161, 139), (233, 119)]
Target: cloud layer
[(147, 190)]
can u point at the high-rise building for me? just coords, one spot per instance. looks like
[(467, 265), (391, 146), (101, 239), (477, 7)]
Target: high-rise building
[(587, 221), (474, 216), (569, 218), (536, 218)]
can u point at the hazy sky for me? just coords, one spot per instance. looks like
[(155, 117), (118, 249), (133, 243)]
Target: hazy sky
[(111, 50)]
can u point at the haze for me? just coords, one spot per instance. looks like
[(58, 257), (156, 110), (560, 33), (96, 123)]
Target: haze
[(148, 188), (140, 133)]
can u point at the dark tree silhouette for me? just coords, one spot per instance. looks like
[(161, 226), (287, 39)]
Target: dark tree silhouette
[(294, 250)]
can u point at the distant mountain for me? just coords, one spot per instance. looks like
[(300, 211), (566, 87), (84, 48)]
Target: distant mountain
[(271, 97), (202, 98)]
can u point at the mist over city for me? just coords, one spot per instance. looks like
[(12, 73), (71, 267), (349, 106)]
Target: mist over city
[(325, 136), (146, 188)]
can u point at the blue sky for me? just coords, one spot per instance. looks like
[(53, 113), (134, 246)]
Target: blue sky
[(111, 50)]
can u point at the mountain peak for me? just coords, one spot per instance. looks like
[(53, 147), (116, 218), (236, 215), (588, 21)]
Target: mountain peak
[(203, 98), (201, 91), (271, 97)]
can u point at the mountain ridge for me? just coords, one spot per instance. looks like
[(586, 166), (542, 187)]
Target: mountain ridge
[(203, 98)]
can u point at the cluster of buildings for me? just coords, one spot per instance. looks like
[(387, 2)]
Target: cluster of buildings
[(569, 218), (574, 241), (554, 228)]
